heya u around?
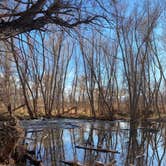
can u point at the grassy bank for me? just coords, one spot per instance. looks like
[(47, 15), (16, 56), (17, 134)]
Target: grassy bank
[(117, 115)]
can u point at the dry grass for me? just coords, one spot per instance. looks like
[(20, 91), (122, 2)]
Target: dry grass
[(78, 112)]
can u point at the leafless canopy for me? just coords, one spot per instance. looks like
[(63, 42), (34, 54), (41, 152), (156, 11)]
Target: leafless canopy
[(19, 16)]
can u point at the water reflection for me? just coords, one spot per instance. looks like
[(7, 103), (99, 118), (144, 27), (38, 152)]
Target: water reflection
[(59, 141)]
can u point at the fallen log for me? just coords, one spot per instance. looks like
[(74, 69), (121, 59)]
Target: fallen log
[(96, 149)]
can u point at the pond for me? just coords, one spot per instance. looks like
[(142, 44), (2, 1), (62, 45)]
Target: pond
[(87, 142)]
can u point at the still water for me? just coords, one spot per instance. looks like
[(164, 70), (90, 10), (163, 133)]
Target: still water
[(87, 142)]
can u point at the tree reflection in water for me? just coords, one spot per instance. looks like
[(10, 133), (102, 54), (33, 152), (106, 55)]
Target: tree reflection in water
[(56, 141)]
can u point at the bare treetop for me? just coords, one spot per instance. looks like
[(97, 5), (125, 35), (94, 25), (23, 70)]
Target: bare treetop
[(19, 16)]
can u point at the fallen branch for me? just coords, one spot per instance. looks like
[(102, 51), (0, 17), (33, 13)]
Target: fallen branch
[(20, 106), (97, 149)]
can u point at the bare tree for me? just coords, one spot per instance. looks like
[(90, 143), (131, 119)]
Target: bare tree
[(134, 45)]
